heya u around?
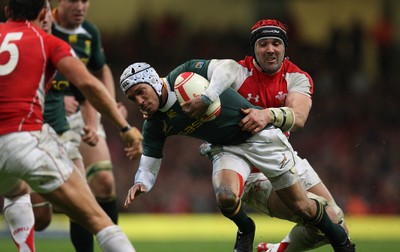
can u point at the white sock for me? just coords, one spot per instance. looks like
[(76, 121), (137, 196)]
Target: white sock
[(19, 216), (112, 239)]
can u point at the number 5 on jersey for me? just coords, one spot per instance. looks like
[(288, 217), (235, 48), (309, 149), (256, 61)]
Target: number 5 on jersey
[(7, 46)]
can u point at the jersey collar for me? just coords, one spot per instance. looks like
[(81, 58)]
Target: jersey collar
[(171, 96)]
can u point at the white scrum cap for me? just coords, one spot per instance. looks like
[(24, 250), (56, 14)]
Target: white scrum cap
[(140, 72)]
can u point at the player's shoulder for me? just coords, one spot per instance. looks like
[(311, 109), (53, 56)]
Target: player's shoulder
[(56, 48), (198, 66), (247, 62), (54, 40), (195, 65), (90, 27), (297, 78), (291, 67)]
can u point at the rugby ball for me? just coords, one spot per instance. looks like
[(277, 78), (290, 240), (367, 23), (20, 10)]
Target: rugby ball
[(188, 85)]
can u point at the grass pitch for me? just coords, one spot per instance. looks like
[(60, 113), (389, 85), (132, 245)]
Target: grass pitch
[(210, 233)]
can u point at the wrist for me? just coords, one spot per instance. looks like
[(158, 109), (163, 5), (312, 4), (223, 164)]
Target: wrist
[(125, 129), (206, 100)]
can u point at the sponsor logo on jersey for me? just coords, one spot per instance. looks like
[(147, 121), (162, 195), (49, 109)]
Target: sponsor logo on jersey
[(60, 84), (255, 98), (171, 113), (72, 39), (284, 161), (281, 97), (88, 46), (199, 64)]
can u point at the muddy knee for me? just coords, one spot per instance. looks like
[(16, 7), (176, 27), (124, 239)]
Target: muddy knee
[(226, 199)]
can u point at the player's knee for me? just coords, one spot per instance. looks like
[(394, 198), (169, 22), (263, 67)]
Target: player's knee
[(103, 185), (101, 179), (42, 211), (303, 209), (302, 213), (226, 199), (335, 213), (44, 220), (43, 214)]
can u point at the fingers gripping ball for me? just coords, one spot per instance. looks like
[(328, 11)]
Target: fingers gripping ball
[(188, 85)]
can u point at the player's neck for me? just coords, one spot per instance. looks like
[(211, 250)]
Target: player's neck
[(164, 97)]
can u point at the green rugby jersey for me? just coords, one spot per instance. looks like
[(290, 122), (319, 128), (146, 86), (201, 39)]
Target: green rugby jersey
[(223, 130), (86, 42)]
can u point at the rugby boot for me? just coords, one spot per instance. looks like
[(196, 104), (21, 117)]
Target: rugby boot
[(347, 246), (244, 242), (272, 247)]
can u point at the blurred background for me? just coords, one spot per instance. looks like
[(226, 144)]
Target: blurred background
[(350, 48)]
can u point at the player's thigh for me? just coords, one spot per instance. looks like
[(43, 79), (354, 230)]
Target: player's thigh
[(77, 201), (91, 154), (94, 154), (257, 191), (278, 208), (321, 190), (295, 198), (230, 171)]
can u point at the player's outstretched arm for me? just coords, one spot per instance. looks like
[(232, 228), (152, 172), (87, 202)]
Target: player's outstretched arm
[(76, 72), (135, 190)]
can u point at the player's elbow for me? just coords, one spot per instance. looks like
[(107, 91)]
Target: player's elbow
[(299, 122), (298, 125)]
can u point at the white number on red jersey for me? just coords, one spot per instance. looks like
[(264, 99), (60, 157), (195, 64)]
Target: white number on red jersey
[(12, 49)]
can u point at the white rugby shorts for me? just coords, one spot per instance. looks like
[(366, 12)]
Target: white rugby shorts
[(38, 157), (258, 187), (71, 141), (269, 151), (76, 124)]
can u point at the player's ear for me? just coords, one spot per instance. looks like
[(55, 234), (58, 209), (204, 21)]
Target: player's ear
[(7, 11), (42, 14)]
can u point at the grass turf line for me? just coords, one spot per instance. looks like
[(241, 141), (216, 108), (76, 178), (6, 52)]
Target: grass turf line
[(204, 232)]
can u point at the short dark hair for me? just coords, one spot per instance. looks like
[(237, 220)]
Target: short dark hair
[(21, 10)]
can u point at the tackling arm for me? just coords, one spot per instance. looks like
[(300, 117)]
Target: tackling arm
[(301, 106), (221, 77), (219, 74)]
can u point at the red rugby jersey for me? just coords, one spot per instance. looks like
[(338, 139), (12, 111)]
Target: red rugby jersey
[(28, 59), (271, 90)]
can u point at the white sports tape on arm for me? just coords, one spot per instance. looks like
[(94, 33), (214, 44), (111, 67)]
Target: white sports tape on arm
[(222, 74), (148, 171), (283, 118)]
